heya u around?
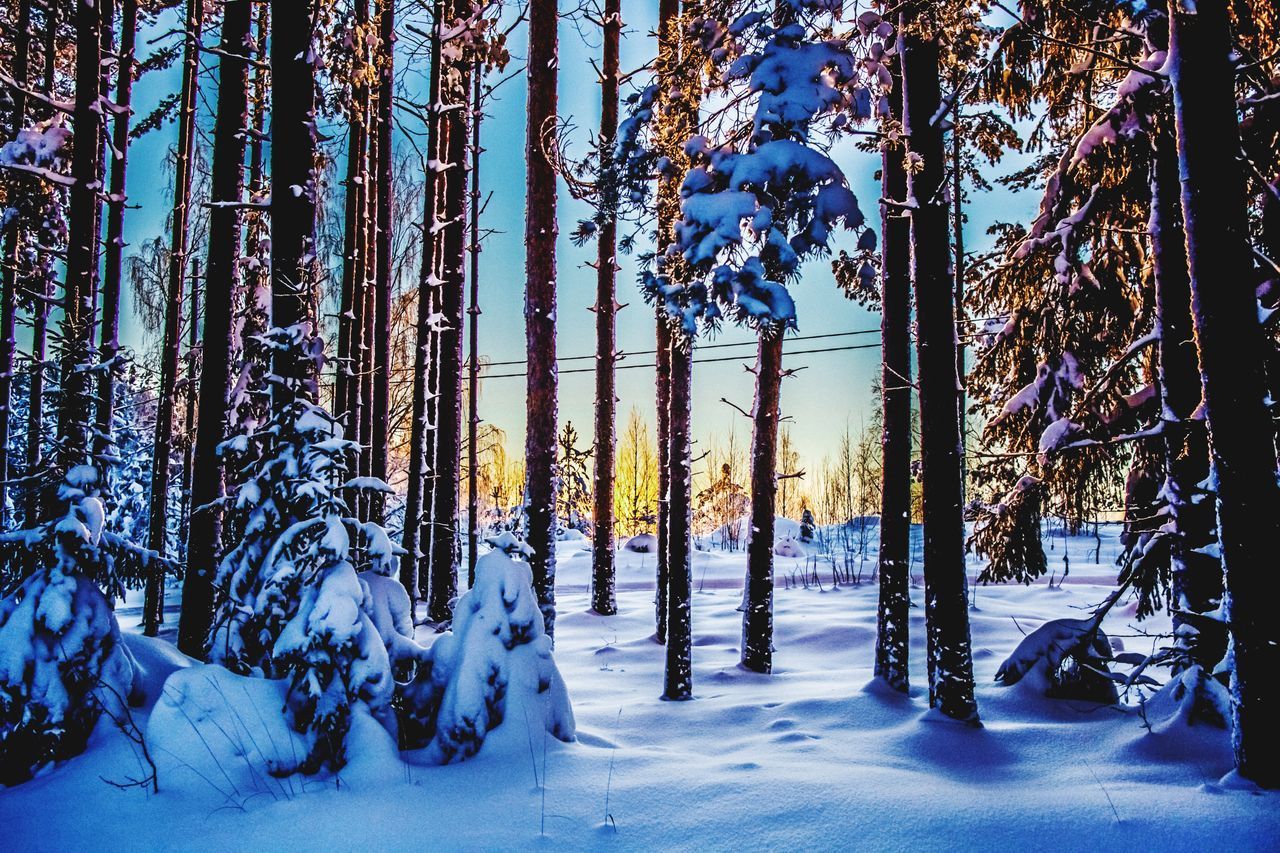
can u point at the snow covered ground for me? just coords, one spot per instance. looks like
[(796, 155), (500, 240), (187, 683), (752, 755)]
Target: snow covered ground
[(812, 757)]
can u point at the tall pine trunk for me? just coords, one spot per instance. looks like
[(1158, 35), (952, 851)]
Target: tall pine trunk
[(668, 206), (678, 673), (417, 537), (347, 401), (293, 191), (1196, 575), (40, 318), (1231, 350), (109, 346), (473, 335), (540, 232), (949, 654), (158, 518), (8, 277), (384, 162), (75, 407), (603, 597), (189, 417), (221, 284), (893, 615), (757, 618), (456, 89)]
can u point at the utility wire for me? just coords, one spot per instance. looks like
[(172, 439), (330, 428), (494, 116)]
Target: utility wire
[(695, 361)]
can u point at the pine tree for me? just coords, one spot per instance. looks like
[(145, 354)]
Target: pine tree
[(177, 274), (950, 659), (1231, 364), (384, 162), (894, 558), (222, 279), (603, 569), (540, 306), (109, 346), (8, 275)]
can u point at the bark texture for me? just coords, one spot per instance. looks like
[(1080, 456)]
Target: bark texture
[(603, 569), (894, 609), (221, 285), (1231, 355), (540, 308), (949, 654)]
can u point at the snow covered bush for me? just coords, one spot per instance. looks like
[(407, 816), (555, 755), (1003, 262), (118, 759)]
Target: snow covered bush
[(291, 605), (1066, 659), (62, 663), (494, 665)]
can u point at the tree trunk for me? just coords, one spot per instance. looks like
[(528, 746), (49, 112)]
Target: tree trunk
[(603, 597), (456, 89), (75, 405), (1196, 576), (757, 618), (8, 278), (346, 395), (473, 317), (109, 346), (40, 319), (158, 518), (540, 308), (678, 674), (293, 191), (958, 269), (893, 616), (189, 417), (221, 280), (1230, 346), (385, 163), (417, 534), (668, 204), (949, 656)]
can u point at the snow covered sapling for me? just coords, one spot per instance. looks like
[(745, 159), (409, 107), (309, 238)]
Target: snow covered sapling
[(494, 665), (290, 602), (61, 659)]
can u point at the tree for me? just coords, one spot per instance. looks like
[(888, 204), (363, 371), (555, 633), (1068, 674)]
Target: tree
[(8, 276), (540, 306), (293, 193), (773, 182), (452, 233), (950, 659), (574, 498), (636, 478), (78, 306), (215, 407), (1231, 365), (603, 569), (161, 468), (894, 557), (417, 536), (109, 346), (383, 285)]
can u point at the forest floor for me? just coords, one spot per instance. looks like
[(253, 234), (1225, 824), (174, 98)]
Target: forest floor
[(814, 756)]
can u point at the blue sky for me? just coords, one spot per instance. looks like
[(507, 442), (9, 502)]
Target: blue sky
[(836, 387)]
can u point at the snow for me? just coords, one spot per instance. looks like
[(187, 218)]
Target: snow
[(814, 752)]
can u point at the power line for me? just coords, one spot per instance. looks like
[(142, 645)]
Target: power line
[(751, 342), (695, 361)]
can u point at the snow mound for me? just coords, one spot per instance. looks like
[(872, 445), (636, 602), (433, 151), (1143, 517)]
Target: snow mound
[(783, 528), (642, 543), (213, 728), (154, 660), (789, 547)]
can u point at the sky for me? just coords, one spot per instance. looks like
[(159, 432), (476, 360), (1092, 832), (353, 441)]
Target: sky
[(834, 390)]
